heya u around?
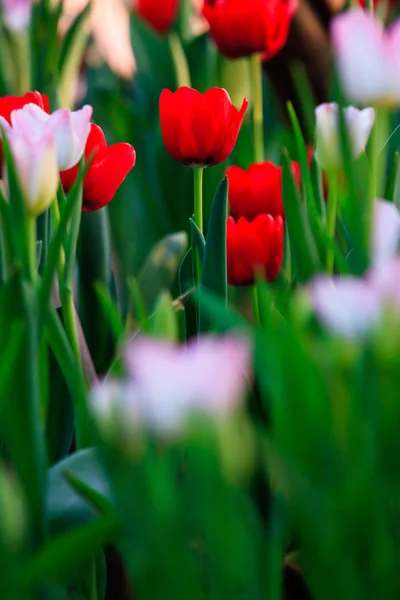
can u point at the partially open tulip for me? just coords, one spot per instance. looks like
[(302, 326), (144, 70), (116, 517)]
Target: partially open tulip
[(257, 190), (70, 130), (359, 124), (199, 129), (241, 28), (160, 15), (254, 249), (367, 58), (17, 14), (167, 383), (108, 169), (36, 163)]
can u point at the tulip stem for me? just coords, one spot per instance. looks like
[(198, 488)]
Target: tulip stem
[(256, 88), (198, 215), (198, 197), (32, 247), (256, 306), (331, 222)]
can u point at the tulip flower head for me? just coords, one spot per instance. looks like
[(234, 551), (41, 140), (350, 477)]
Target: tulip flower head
[(257, 190), (254, 247), (17, 14), (69, 129), (359, 124), (199, 129), (108, 168), (367, 58), (160, 15), (167, 383), (240, 29)]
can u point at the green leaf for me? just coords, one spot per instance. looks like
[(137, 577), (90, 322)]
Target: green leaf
[(110, 310), (302, 245), (159, 270), (392, 193), (71, 37), (186, 286), (66, 507), (198, 239), (63, 554), (164, 323), (214, 271)]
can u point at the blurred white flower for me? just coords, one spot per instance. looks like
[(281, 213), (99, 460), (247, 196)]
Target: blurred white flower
[(70, 130), (386, 232), (348, 306), (168, 383), (37, 167), (17, 14), (352, 306), (367, 57), (359, 124)]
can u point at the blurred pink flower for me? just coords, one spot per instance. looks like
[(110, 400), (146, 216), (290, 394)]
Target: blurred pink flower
[(17, 14), (352, 306), (69, 130), (167, 383), (367, 57)]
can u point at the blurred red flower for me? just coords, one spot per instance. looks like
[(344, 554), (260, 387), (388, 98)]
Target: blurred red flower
[(257, 190), (199, 129), (108, 169), (241, 28), (10, 103), (159, 14), (252, 247)]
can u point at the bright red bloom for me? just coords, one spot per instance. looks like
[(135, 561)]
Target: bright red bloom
[(159, 14), (10, 103), (244, 27), (200, 129), (257, 190), (252, 247), (108, 169)]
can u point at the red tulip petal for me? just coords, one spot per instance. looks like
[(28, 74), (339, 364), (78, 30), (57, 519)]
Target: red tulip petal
[(105, 175)]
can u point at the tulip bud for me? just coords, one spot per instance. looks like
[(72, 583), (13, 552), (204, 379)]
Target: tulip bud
[(359, 124)]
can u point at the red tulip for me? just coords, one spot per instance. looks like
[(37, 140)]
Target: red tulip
[(199, 129), (257, 190), (10, 103), (244, 27), (159, 14), (108, 169), (253, 247)]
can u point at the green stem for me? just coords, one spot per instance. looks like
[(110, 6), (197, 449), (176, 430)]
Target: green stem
[(256, 307), (32, 247), (179, 60), (331, 221), (198, 197), (256, 87), (198, 215)]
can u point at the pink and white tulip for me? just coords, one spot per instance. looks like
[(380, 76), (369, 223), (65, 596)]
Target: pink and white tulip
[(69, 129), (367, 58), (359, 124), (17, 14), (37, 167), (353, 307), (168, 383)]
